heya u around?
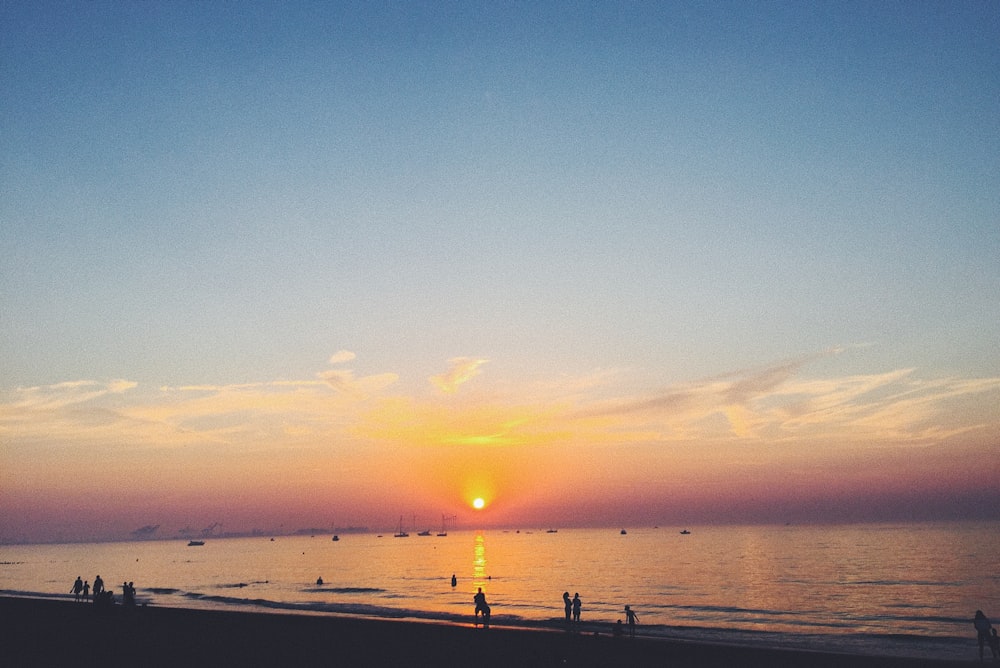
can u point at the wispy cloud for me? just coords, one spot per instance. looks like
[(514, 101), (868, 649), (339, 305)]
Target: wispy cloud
[(460, 370), (236, 387), (344, 382), (775, 403), (779, 403), (342, 356), (48, 397)]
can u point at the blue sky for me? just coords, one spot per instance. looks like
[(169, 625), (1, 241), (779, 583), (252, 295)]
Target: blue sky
[(215, 194)]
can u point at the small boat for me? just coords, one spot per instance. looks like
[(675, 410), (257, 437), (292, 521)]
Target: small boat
[(624, 532), (194, 543), (425, 533), (552, 531), (444, 529), (685, 532), (336, 538), (401, 533)]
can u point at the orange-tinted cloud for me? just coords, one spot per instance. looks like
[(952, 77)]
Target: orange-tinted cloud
[(364, 446)]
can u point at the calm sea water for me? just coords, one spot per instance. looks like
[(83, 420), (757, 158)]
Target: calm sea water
[(907, 590)]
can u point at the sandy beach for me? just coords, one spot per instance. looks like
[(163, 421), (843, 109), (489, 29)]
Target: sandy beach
[(39, 632)]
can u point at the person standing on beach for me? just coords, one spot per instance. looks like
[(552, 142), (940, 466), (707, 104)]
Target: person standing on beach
[(632, 619), (77, 588), (86, 591), (568, 604), (98, 587), (983, 626), (128, 594), (577, 604)]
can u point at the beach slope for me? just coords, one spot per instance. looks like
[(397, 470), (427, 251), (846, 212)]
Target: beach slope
[(39, 632)]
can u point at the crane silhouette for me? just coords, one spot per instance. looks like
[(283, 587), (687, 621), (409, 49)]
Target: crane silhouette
[(210, 530)]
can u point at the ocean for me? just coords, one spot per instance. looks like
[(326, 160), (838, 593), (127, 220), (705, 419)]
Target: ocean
[(894, 589)]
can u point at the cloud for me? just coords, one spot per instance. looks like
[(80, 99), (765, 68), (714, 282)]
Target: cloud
[(68, 393), (344, 382), (460, 370), (340, 380), (119, 386), (237, 387), (775, 404), (342, 356)]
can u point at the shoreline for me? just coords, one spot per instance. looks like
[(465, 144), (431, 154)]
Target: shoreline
[(45, 632)]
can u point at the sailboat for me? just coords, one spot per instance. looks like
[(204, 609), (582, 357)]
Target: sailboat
[(401, 534), (444, 531)]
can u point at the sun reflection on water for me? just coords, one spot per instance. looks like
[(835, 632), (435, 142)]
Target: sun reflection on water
[(479, 562)]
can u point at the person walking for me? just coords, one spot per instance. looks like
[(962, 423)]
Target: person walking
[(632, 620), (982, 626), (77, 588)]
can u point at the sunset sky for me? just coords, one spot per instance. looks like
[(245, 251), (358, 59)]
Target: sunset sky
[(283, 265)]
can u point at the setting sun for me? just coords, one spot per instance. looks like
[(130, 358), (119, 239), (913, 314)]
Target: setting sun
[(478, 503)]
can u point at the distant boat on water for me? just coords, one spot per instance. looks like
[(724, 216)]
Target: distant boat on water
[(336, 538), (194, 543), (552, 531), (444, 530), (425, 533), (401, 533), (685, 532), (624, 532)]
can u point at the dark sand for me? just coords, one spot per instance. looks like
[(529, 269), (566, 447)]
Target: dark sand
[(37, 632)]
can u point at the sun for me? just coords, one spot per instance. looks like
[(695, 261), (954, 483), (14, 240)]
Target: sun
[(478, 503)]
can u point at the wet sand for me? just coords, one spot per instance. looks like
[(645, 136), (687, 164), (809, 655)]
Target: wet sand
[(37, 632)]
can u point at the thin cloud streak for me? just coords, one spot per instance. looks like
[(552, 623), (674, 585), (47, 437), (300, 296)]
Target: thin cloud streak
[(47, 397), (460, 370)]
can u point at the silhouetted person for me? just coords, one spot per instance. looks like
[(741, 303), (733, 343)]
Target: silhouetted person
[(105, 600), (632, 619), (86, 591), (481, 606), (77, 588), (319, 581), (454, 580), (983, 626), (568, 605), (617, 631), (98, 587), (577, 604)]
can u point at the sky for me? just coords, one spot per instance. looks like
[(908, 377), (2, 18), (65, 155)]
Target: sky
[(294, 264)]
